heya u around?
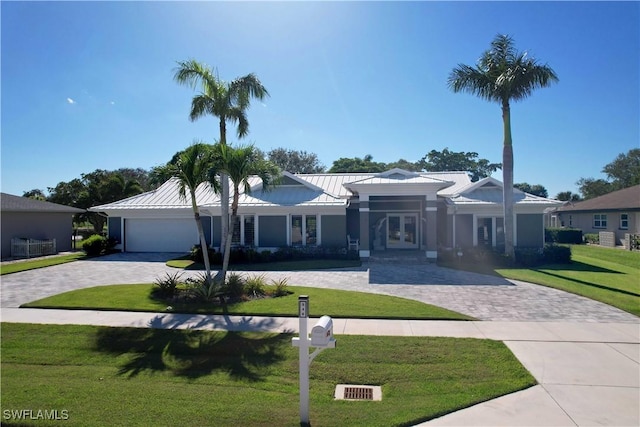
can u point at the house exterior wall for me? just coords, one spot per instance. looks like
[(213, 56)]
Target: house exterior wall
[(273, 231), (333, 230), (464, 231), (37, 225), (585, 221), (530, 230)]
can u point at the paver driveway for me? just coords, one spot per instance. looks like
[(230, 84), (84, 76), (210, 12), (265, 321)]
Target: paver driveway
[(483, 297)]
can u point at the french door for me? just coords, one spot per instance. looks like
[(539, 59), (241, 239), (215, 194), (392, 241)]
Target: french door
[(402, 231)]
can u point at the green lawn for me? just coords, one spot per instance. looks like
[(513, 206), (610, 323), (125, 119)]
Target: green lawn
[(335, 303), (608, 275), (139, 377), (15, 267), (308, 264)]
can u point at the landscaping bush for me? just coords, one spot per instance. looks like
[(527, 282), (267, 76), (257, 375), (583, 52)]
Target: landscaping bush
[(196, 255), (255, 286), (235, 286), (203, 290), (555, 254), (529, 257), (166, 287), (94, 245), (592, 238), (563, 235), (279, 288)]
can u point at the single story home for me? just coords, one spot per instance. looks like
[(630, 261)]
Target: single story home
[(24, 218), (392, 210), (617, 212)]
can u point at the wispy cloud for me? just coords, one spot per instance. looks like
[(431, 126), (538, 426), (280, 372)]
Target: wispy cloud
[(70, 101)]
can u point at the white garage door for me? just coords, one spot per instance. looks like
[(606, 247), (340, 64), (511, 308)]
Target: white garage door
[(160, 235)]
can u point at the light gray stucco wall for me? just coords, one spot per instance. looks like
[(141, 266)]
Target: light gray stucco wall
[(530, 230), (273, 231), (334, 230)]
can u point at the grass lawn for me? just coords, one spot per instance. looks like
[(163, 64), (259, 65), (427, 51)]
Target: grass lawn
[(335, 303), (608, 275), (139, 377), (15, 267), (309, 264)]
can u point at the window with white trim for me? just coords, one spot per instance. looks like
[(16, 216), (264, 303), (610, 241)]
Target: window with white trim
[(624, 221), (304, 230), (243, 231), (600, 221)]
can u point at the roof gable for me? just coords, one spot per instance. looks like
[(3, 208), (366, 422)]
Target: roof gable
[(627, 198)]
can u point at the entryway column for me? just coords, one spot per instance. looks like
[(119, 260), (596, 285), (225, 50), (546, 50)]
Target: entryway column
[(365, 251), (431, 215)]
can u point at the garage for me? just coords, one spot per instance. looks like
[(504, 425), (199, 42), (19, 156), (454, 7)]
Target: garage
[(160, 235)]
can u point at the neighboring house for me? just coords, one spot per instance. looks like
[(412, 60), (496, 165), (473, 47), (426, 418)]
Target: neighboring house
[(617, 212), (396, 209), (35, 219)]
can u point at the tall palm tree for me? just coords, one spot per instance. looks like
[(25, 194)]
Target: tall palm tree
[(192, 167), (502, 75), (226, 101), (240, 164)]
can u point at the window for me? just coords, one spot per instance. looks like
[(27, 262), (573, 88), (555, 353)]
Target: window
[(624, 221), (243, 231), (304, 225), (600, 221)]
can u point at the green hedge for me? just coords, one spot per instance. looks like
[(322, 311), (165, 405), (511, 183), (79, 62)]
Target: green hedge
[(563, 235)]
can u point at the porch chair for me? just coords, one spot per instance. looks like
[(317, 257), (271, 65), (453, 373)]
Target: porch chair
[(352, 243)]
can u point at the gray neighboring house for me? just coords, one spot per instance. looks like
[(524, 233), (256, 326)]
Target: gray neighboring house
[(617, 212), (22, 217), (394, 210)]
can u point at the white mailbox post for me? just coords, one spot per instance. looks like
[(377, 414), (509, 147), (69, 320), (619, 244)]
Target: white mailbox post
[(321, 338)]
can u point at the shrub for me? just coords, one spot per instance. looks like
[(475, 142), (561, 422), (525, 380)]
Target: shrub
[(593, 238), (166, 287), (279, 288), (555, 254), (196, 255), (204, 290), (563, 235), (529, 257), (234, 287), (94, 245), (255, 286)]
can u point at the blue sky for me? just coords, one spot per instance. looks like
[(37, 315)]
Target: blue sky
[(89, 85)]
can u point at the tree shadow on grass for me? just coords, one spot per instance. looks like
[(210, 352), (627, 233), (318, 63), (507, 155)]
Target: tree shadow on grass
[(193, 353), (584, 282)]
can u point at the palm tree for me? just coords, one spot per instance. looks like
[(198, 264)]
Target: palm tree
[(226, 101), (192, 167), (240, 164), (502, 75)]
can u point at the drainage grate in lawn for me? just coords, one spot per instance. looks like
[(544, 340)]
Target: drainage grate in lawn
[(358, 392)]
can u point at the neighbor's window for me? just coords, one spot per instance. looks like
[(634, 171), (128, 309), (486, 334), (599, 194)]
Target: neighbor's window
[(624, 221), (600, 221)]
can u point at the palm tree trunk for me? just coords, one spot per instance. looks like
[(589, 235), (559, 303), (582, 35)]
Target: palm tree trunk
[(203, 240), (224, 197), (507, 178)]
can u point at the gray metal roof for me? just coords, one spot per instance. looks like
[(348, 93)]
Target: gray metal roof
[(625, 199), (11, 203), (489, 191)]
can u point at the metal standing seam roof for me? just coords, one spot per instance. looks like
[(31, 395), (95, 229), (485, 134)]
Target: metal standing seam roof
[(627, 198), (494, 196)]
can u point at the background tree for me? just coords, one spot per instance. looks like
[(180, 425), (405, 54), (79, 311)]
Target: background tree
[(357, 164), (240, 164), (404, 164), (590, 187), (536, 189), (35, 194), (92, 189), (624, 170), (295, 161), (226, 101), (503, 75), (449, 161), (568, 196)]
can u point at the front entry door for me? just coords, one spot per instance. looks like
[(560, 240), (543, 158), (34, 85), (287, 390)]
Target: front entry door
[(402, 231)]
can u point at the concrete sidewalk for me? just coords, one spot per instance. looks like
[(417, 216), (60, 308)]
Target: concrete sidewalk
[(588, 373)]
